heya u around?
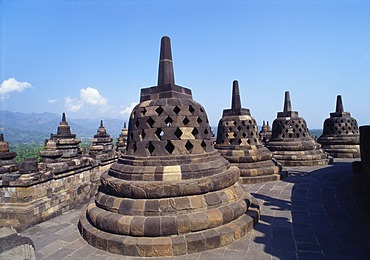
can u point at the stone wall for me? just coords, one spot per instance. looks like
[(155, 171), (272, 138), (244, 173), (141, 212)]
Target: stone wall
[(365, 156), (25, 203)]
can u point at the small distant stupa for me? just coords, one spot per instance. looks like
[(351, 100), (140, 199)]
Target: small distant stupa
[(238, 141), (7, 162), (340, 137), (122, 140), (61, 146), (265, 133), (291, 143), (102, 146)]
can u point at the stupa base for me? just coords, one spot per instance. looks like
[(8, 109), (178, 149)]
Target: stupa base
[(171, 245)]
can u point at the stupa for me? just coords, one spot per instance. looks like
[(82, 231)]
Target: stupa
[(238, 141), (291, 143), (340, 137), (265, 132), (61, 146), (172, 193), (102, 146), (7, 162), (122, 140)]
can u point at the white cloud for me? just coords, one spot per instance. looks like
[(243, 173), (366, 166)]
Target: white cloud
[(128, 110), (73, 104), (92, 96), (88, 96), (52, 101), (12, 85)]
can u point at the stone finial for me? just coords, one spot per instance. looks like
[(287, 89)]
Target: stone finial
[(124, 125), (339, 105), (235, 102), (101, 123), (1, 137), (263, 123), (165, 72), (287, 103), (166, 87)]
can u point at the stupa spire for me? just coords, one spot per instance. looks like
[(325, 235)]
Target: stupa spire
[(101, 123), (235, 102), (339, 106), (165, 71), (287, 103)]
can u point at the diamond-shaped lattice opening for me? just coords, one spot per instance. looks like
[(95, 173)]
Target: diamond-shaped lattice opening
[(201, 109), (189, 146), (143, 134), (204, 145), (249, 141), (178, 133), (150, 148), (191, 109), (169, 147), (199, 120), (243, 122), (235, 135), (206, 131), (234, 122), (143, 111), (168, 121), (244, 135), (159, 110), (137, 123), (159, 133), (150, 122), (176, 110), (239, 141), (186, 121), (239, 127), (195, 132)]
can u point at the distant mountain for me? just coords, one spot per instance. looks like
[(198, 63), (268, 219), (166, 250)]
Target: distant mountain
[(35, 128)]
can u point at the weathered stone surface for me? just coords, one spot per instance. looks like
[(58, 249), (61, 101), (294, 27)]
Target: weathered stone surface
[(14, 246), (101, 148), (171, 185), (238, 142), (340, 137), (291, 143)]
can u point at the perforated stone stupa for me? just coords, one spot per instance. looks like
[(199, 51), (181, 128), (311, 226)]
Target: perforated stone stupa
[(340, 137), (265, 132), (102, 147), (62, 146), (291, 143), (238, 141), (172, 193)]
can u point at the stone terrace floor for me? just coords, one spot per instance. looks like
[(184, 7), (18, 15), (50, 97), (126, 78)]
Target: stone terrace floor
[(315, 213)]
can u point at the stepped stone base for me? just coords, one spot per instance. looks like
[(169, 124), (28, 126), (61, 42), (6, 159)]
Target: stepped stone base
[(171, 245)]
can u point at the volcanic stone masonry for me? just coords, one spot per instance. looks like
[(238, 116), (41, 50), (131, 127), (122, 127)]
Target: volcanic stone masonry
[(62, 146), (172, 193), (291, 143), (340, 137), (7, 162), (101, 148), (238, 141), (122, 140)]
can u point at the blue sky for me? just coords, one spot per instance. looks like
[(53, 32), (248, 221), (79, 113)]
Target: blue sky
[(91, 58)]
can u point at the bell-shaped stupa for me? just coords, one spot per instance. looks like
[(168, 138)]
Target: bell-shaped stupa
[(265, 132), (291, 143), (340, 137), (238, 141), (62, 146), (122, 140), (102, 146), (7, 162), (172, 193)]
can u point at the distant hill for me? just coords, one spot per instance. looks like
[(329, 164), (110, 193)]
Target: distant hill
[(35, 128)]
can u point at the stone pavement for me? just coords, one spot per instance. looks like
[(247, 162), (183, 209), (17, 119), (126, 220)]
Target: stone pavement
[(315, 213)]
